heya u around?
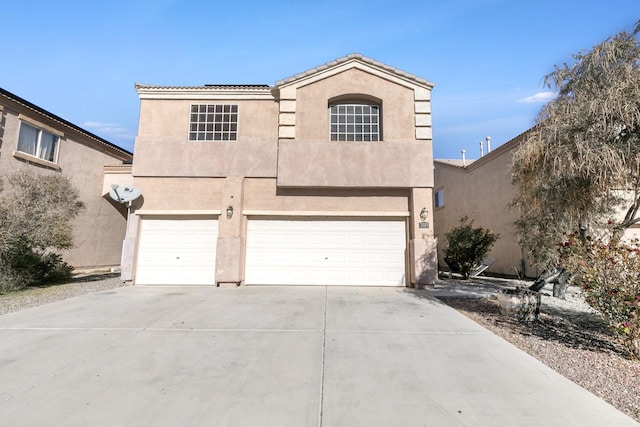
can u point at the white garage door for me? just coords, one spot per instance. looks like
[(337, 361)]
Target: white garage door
[(178, 251), (318, 252)]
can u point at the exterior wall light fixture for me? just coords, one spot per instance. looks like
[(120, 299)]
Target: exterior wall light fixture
[(423, 214), (229, 211)]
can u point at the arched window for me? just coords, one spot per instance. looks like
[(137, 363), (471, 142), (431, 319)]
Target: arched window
[(355, 120)]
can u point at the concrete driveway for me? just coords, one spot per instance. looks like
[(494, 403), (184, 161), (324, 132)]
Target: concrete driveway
[(274, 356)]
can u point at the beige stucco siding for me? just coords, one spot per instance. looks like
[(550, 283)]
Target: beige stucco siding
[(100, 228), (180, 194), (263, 195), (453, 183), (163, 156), (164, 128), (355, 164)]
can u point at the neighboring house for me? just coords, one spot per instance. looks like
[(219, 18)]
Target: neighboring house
[(482, 190), (320, 179), (33, 138)]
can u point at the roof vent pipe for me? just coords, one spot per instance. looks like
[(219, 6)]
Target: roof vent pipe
[(481, 148), (464, 161), (488, 144)]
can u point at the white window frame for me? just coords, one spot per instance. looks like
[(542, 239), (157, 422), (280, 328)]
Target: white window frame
[(355, 121), (38, 143), (213, 122)]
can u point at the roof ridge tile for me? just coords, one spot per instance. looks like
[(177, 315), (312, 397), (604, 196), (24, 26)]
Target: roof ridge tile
[(349, 57)]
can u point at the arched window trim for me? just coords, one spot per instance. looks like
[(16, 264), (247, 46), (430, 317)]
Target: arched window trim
[(355, 117), (355, 97)]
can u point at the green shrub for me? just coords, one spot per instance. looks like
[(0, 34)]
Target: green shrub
[(53, 269), (610, 278), (24, 267), (36, 214), (467, 246), (10, 279)]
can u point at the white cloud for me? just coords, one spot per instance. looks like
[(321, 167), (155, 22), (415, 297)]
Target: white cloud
[(110, 129), (98, 124), (113, 130), (539, 97)]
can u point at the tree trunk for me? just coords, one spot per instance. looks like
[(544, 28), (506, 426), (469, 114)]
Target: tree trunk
[(561, 283), (547, 276)]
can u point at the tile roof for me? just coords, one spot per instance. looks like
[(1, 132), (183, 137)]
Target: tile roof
[(206, 87), (351, 57), (455, 162), (262, 87), (237, 86), (33, 107)]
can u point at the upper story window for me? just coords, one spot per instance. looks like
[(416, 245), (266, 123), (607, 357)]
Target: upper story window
[(213, 122), (355, 121), (439, 198), (37, 142)]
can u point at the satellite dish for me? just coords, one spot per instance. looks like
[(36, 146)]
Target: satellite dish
[(124, 193)]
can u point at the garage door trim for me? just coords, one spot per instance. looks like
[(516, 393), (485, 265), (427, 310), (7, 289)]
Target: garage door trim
[(357, 251), (176, 250)]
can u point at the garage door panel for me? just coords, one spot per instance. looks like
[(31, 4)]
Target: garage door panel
[(177, 251), (308, 252)]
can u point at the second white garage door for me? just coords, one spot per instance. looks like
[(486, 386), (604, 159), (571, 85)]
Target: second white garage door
[(177, 251), (325, 252)]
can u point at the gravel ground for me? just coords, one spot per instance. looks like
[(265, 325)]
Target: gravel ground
[(571, 339), (80, 285)]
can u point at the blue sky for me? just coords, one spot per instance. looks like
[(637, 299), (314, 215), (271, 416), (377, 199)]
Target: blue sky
[(81, 59)]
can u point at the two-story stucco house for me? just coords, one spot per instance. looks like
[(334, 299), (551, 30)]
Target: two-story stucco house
[(324, 178), (33, 138)]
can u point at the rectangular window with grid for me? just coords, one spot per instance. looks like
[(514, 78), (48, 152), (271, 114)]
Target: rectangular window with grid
[(213, 122), (355, 122)]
